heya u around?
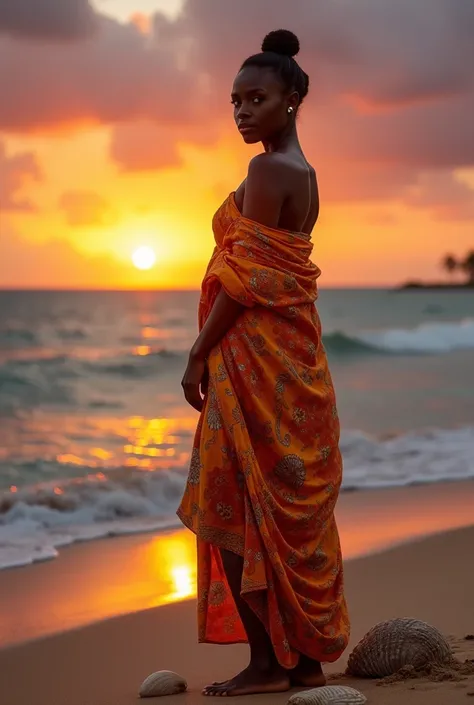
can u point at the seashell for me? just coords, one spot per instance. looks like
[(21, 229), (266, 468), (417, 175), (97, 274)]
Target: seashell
[(328, 695), (162, 683), (391, 645)]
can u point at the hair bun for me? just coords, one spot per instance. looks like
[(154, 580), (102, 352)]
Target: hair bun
[(281, 41)]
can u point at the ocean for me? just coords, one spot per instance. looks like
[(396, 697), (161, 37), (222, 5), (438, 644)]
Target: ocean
[(95, 436)]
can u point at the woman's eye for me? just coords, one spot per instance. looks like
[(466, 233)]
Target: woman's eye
[(256, 101)]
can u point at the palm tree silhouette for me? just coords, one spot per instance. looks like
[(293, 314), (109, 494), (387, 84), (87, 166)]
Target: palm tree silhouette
[(468, 266), (450, 264)]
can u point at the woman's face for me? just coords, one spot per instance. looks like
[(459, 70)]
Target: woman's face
[(260, 104)]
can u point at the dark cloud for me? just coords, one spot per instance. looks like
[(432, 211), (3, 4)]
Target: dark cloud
[(83, 208), (420, 135), (47, 19), (383, 52), (392, 86), (113, 77), (374, 54), (16, 171)]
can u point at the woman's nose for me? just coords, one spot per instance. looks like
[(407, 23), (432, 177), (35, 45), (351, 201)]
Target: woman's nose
[(243, 111)]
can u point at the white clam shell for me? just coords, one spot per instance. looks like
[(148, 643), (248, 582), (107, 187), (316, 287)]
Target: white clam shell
[(162, 683), (391, 645), (328, 695)]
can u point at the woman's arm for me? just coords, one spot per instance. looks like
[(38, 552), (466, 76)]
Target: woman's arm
[(263, 200), (225, 312)]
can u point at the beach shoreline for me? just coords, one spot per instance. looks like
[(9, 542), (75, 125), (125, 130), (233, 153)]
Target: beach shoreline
[(93, 581), (104, 663)]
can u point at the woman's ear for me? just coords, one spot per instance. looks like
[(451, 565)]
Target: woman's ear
[(294, 100)]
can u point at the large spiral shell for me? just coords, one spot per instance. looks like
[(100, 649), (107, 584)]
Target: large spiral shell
[(391, 645)]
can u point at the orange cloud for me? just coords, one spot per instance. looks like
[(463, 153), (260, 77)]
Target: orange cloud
[(54, 264), (139, 146), (142, 22), (84, 208), (150, 146)]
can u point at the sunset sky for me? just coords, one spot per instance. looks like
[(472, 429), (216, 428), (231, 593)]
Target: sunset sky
[(116, 132)]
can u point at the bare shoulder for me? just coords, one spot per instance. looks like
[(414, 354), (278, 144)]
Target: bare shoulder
[(272, 179), (270, 164), (282, 169), (265, 190)]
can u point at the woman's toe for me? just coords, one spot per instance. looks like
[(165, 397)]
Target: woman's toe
[(211, 690)]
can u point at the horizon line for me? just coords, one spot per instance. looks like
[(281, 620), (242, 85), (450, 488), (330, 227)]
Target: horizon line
[(174, 290)]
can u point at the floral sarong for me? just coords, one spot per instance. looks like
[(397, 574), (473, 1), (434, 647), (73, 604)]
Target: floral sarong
[(266, 468)]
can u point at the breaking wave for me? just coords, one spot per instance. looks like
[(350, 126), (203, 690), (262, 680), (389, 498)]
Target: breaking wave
[(428, 338), (38, 519)]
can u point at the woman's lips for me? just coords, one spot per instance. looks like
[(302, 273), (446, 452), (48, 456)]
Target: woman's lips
[(244, 129)]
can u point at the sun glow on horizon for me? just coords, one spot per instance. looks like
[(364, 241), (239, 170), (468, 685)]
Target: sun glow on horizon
[(144, 257)]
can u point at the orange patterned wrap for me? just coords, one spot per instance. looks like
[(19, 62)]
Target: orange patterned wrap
[(266, 468)]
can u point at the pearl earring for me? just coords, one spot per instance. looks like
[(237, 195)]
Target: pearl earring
[(290, 110)]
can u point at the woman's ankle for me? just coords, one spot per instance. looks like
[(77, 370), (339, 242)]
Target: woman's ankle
[(264, 662)]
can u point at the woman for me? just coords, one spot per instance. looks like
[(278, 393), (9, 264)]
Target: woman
[(266, 469)]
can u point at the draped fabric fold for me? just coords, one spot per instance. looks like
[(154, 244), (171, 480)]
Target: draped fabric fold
[(266, 468)]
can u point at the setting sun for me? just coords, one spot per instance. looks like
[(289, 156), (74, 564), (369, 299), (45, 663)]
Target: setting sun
[(144, 258)]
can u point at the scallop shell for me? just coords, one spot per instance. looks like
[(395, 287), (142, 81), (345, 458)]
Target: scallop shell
[(391, 645), (328, 695), (162, 683)]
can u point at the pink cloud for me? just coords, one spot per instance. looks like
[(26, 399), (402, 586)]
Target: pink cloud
[(392, 86), (448, 198)]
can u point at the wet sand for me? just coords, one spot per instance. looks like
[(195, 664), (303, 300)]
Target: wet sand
[(104, 663), (93, 581)]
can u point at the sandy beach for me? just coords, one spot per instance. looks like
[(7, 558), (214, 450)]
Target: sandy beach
[(93, 581), (104, 663)]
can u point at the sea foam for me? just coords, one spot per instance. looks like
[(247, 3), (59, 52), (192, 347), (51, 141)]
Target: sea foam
[(37, 520)]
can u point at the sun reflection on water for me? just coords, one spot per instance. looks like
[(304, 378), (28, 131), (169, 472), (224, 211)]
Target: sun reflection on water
[(147, 444), (173, 558)]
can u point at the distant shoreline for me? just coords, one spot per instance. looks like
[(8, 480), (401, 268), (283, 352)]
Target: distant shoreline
[(434, 285)]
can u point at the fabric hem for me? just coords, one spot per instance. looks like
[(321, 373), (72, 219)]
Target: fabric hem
[(203, 640), (225, 540)]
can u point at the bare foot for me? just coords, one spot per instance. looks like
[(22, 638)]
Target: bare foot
[(308, 673), (251, 681)]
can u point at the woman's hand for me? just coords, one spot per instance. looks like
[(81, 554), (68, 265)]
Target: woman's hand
[(224, 313), (196, 376)]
